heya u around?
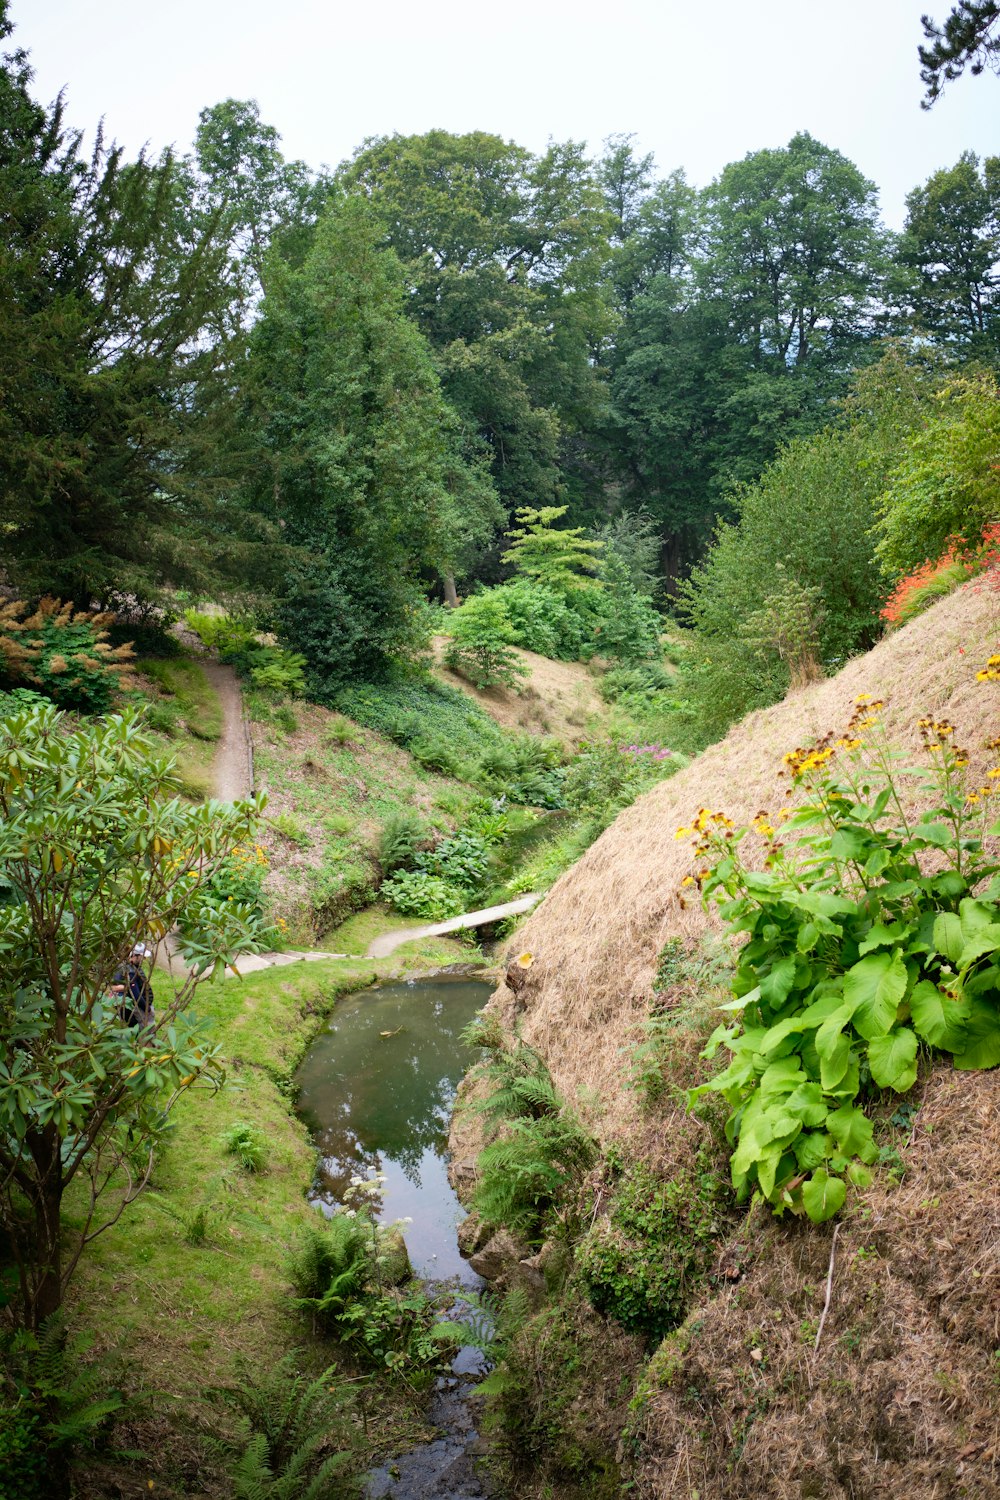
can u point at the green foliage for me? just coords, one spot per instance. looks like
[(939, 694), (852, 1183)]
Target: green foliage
[(248, 1144), (788, 624), (98, 853), (65, 652), (605, 777), (946, 483), (268, 667), (642, 1263), (479, 648), (400, 839), (416, 893), (538, 1152), (338, 1274), (561, 558), (296, 1440), (53, 1399), (869, 936), (291, 829), (446, 731), (545, 620), (629, 628)]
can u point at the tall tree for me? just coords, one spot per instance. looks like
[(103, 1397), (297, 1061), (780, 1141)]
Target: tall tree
[(969, 37), (504, 253), (364, 473), (795, 249), (951, 245), (107, 285)]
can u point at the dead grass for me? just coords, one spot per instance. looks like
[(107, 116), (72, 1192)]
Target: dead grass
[(597, 934), (559, 698), (902, 1398)]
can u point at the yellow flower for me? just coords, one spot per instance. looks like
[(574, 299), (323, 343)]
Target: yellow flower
[(688, 880), (682, 833)]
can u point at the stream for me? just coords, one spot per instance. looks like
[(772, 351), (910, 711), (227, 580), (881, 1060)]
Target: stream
[(376, 1090)]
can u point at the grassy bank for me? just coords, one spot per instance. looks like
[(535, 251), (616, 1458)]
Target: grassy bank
[(193, 1281)]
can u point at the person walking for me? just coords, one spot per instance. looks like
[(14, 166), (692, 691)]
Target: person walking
[(132, 985)]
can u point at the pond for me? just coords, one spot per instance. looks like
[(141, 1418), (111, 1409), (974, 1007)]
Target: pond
[(376, 1089)]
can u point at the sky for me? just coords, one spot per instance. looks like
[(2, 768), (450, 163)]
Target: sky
[(699, 84)]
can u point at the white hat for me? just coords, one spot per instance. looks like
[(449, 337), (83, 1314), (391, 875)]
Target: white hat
[(141, 950)]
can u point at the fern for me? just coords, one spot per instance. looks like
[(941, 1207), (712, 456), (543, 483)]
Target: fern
[(529, 1169), (330, 1269), (288, 1423)]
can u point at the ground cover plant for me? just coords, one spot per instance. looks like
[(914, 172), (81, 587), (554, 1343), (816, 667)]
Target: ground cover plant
[(870, 935)]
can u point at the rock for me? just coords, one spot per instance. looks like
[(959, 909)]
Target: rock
[(472, 1234), (396, 1266), (500, 1252)]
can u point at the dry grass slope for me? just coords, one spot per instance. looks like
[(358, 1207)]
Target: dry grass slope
[(902, 1398), (558, 698)]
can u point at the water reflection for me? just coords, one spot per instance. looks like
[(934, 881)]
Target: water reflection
[(376, 1090)]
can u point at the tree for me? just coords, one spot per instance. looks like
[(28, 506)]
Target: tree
[(794, 248), (946, 482), (560, 558), (504, 254), (97, 852), (109, 283), (480, 645), (364, 473), (951, 246), (968, 37)]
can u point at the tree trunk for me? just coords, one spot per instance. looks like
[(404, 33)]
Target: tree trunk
[(450, 591)]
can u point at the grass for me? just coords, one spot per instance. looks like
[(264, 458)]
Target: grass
[(193, 1277), (335, 784), (184, 709)]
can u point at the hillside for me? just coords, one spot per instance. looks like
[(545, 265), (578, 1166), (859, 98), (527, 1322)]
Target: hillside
[(558, 697), (900, 1398)]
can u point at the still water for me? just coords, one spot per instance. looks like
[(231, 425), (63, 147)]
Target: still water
[(376, 1090)]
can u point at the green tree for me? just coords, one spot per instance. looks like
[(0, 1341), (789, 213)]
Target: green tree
[(560, 558), (946, 482), (951, 246), (97, 852), (795, 249), (504, 254), (480, 645), (364, 473), (969, 37), (109, 285)]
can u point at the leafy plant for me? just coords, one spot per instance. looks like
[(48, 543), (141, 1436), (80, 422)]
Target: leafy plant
[(248, 1144), (643, 1260), (480, 647), (296, 1440), (870, 935), (290, 828), (561, 558), (65, 652), (52, 1399), (400, 839), (416, 893)]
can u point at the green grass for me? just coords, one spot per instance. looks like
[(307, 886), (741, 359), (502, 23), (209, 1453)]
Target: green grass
[(181, 1308), (187, 714)]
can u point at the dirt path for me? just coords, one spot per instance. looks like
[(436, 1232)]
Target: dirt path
[(383, 945), (233, 766)]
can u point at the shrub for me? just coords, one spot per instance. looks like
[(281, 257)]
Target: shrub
[(957, 563), (65, 652), (643, 1261), (400, 839), (480, 648), (945, 483), (868, 935), (604, 778), (291, 829), (248, 1144), (542, 620), (277, 670), (415, 893), (461, 860)]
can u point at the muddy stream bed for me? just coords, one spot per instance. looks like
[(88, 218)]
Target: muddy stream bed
[(381, 1102)]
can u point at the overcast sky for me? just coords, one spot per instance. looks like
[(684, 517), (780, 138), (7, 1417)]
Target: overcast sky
[(699, 84)]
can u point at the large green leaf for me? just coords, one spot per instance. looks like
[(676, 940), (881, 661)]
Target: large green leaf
[(776, 986), (982, 1036), (949, 939), (834, 1048), (892, 1059), (873, 989), (852, 1130), (806, 1103), (823, 1195), (937, 1019)]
